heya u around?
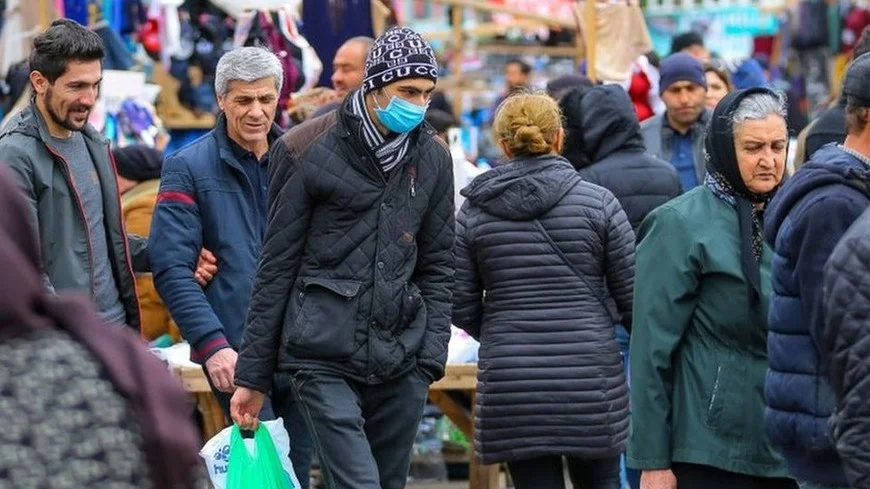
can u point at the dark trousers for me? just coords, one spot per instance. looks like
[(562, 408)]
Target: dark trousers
[(281, 403), (691, 476), (363, 433), (549, 473)]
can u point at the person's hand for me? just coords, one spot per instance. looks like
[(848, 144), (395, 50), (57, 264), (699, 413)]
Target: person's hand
[(206, 267), (658, 479), (222, 369), (245, 407)]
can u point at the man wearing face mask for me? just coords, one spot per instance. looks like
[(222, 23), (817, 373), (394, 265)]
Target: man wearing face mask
[(360, 236)]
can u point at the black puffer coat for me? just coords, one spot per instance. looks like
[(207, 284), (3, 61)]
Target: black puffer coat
[(356, 268), (551, 376), (847, 348), (604, 143)]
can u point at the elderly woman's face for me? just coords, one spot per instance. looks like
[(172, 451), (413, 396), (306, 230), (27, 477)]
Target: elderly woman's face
[(761, 151)]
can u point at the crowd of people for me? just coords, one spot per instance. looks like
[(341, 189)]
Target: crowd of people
[(660, 292)]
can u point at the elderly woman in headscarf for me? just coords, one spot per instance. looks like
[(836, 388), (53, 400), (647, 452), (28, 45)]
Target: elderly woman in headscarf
[(86, 405), (698, 348)]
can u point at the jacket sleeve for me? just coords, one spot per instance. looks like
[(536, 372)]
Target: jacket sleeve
[(468, 291), (139, 253), (847, 346), (434, 272), (666, 284), (22, 169), (175, 241), (289, 216), (619, 258), (816, 234)]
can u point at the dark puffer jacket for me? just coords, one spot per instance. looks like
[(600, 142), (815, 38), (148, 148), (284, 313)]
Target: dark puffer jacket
[(356, 269), (551, 378), (847, 347), (604, 143), (803, 224)]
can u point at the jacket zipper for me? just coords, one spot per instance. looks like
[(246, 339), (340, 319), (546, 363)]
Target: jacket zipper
[(76, 195), (128, 260)]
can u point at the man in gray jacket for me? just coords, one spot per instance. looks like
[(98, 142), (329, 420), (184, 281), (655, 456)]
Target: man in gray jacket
[(677, 136), (65, 170)]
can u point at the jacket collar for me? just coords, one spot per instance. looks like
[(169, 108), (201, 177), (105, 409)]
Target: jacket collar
[(225, 148), (31, 123), (698, 128)]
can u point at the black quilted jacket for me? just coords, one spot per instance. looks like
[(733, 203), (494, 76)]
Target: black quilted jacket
[(356, 269), (847, 348), (550, 378)]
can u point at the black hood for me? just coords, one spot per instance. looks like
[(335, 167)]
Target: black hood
[(599, 121), (524, 189)]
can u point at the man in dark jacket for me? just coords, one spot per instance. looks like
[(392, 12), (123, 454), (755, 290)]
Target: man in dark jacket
[(677, 136), (65, 170), (352, 295), (604, 144), (213, 194), (847, 330), (803, 223)]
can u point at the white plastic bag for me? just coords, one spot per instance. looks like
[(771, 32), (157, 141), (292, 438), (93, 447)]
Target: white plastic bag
[(216, 452)]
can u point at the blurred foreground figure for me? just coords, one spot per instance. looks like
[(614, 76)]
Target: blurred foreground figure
[(91, 407)]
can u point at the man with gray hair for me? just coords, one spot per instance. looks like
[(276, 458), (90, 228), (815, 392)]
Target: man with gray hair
[(213, 195)]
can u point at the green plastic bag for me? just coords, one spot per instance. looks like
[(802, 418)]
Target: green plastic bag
[(262, 470)]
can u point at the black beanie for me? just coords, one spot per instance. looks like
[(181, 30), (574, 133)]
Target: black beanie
[(398, 54), (138, 162)]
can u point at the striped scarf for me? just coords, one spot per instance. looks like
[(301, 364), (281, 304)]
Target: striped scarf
[(389, 152)]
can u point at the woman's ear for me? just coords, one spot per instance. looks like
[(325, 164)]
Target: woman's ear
[(559, 142), (502, 144)]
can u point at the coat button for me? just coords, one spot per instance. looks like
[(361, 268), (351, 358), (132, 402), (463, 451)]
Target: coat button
[(302, 295), (380, 265)]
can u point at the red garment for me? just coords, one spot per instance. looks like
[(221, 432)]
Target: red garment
[(638, 91), (857, 19)]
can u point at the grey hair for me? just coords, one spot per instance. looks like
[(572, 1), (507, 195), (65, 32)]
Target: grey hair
[(758, 106), (247, 64)]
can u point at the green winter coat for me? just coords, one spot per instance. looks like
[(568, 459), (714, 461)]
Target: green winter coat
[(698, 350)]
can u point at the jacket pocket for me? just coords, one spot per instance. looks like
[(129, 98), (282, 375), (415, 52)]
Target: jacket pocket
[(327, 319), (413, 325), (726, 409)]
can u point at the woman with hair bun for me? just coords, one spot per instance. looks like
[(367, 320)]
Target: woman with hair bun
[(544, 270)]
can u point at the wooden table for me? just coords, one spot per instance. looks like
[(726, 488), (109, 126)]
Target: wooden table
[(458, 377)]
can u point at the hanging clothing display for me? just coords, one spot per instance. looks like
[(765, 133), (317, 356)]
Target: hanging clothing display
[(621, 37), (328, 23)]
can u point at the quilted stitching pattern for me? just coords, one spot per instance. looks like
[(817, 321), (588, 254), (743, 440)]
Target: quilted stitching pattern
[(333, 216), (847, 346), (543, 333)]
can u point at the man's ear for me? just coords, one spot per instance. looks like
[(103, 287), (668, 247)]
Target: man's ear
[(38, 82)]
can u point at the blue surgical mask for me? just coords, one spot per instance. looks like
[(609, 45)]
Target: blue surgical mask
[(400, 115)]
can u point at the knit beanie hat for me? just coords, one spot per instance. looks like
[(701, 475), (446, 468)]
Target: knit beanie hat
[(681, 67), (138, 162), (399, 53)]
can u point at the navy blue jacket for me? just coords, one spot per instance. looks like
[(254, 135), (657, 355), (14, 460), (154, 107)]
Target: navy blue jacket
[(206, 200), (803, 224)]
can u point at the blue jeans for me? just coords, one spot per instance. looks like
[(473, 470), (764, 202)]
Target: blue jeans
[(629, 477)]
